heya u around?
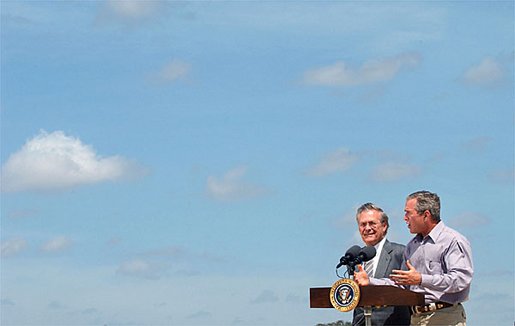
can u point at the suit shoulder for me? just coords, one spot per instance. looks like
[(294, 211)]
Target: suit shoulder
[(396, 246)]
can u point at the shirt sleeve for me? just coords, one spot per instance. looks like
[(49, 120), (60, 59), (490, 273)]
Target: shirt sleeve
[(457, 269), (381, 281)]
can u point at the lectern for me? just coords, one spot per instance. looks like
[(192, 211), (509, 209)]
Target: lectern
[(371, 296)]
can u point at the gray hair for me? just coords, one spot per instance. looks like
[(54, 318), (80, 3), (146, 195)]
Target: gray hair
[(427, 201), (373, 207)]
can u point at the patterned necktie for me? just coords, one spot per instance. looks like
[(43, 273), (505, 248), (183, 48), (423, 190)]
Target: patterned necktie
[(369, 268)]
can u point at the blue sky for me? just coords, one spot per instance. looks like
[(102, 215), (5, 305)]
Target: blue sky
[(200, 163)]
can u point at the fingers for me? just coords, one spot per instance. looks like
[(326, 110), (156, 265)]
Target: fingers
[(397, 275), (394, 277), (408, 264), (360, 270), (398, 278)]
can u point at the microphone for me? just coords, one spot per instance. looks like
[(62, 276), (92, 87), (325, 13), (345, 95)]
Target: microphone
[(349, 256), (365, 254)]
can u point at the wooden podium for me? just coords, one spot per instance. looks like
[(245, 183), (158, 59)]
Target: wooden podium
[(371, 296)]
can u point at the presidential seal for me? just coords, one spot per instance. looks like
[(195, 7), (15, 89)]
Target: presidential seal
[(345, 295)]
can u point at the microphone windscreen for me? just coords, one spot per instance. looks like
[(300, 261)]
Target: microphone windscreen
[(367, 253), (352, 252)]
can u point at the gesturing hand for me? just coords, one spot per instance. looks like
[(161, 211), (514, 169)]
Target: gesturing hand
[(361, 276), (409, 277)]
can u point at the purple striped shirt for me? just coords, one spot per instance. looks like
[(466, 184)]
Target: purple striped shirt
[(444, 259)]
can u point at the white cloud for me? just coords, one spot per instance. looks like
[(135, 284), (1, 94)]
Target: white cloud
[(57, 244), (231, 186), (469, 219), (337, 161), (488, 72), (173, 71), (167, 261), (141, 268), (54, 161), (133, 8), (373, 71), (134, 266), (394, 171), (12, 247), (130, 11)]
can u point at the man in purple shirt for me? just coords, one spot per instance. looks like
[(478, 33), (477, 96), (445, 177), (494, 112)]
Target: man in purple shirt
[(439, 262)]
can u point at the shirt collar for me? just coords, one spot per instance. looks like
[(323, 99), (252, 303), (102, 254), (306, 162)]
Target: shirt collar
[(436, 231), (380, 244)]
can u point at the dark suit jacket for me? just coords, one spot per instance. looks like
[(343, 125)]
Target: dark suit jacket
[(392, 257)]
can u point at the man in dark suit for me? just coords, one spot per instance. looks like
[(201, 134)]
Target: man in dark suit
[(373, 226)]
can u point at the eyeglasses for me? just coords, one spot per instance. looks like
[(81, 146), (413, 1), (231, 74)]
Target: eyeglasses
[(373, 225)]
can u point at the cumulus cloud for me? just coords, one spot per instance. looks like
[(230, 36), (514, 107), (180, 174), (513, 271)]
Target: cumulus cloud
[(338, 160), (12, 247), (469, 219), (388, 172), (371, 72), (174, 70), (130, 12), (57, 244), (55, 161), (486, 73), (157, 263), (231, 186), (141, 268)]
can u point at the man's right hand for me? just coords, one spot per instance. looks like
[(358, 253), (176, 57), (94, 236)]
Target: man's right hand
[(361, 276)]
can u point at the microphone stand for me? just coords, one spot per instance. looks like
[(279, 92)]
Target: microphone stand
[(350, 270), (367, 311)]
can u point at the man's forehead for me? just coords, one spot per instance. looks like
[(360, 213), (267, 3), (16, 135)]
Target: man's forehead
[(410, 203), (370, 214)]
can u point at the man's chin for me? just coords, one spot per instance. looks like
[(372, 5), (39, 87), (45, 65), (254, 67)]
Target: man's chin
[(371, 242)]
